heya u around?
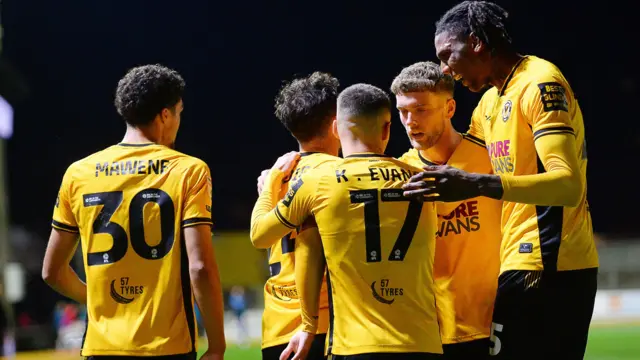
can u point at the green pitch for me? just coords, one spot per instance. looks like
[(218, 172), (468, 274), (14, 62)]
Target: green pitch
[(605, 343)]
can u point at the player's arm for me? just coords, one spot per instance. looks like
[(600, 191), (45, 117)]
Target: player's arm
[(309, 254), (559, 183), (56, 268), (270, 219), (63, 241), (203, 269), (309, 270), (205, 280)]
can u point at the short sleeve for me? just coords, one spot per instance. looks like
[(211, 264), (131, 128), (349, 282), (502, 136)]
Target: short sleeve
[(63, 217), (299, 200), (197, 203), (546, 103)]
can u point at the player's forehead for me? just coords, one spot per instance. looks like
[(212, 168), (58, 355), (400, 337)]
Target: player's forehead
[(411, 100)]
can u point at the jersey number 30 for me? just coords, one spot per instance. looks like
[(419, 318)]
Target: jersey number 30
[(110, 201), (372, 222)]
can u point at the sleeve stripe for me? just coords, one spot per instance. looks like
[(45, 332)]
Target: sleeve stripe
[(537, 133), (196, 221), (284, 221), (64, 227), (474, 139), (551, 132)]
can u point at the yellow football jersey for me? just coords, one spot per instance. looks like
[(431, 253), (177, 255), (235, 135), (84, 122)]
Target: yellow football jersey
[(467, 260), (535, 101), (281, 316), (379, 249), (129, 204)]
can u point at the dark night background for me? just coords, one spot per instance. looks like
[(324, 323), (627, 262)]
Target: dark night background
[(234, 56)]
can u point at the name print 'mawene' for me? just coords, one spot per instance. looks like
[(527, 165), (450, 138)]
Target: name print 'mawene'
[(501, 160), (135, 167)]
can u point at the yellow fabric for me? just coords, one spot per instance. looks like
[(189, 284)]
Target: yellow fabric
[(467, 260), (534, 132), (282, 316), (129, 203), (370, 295)]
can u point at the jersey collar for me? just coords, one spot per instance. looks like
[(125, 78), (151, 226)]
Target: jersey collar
[(513, 71), (364, 155)]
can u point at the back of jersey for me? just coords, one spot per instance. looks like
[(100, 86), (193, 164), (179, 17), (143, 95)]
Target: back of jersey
[(379, 248), (129, 204)]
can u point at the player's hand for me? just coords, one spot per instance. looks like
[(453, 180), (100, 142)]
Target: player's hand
[(442, 183), (286, 163), (300, 344), (261, 179), (210, 355)]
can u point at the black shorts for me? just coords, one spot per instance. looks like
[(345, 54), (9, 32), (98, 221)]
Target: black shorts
[(468, 350), (388, 356), (542, 315), (315, 353), (189, 356)]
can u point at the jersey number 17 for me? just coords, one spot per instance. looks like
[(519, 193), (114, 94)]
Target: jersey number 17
[(372, 222)]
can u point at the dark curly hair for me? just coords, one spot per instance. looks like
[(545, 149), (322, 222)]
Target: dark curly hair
[(363, 101), (305, 106), (145, 90), (486, 20)]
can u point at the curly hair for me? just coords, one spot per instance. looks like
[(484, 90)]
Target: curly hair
[(305, 106), (363, 100), (486, 20), (422, 76), (145, 91)]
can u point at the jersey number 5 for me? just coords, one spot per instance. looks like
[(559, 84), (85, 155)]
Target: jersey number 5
[(372, 222), (110, 202)]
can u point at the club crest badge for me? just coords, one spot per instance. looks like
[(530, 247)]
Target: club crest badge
[(506, 110)]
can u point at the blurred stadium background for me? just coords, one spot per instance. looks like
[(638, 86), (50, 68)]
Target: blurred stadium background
[(50, 328)]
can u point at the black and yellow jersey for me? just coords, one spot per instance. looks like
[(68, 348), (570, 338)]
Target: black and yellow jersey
[(281, 316), (129, 204), (520, 126), (379, 248), (467, 260)]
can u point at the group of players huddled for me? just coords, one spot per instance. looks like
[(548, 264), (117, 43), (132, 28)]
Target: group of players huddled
[(468, 246)]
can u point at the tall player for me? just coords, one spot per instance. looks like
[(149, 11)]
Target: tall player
[(467, 259), (378, 245), (532, 126), (307, 108), (143, 214)]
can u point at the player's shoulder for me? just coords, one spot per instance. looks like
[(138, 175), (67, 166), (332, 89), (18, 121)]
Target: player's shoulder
[(86, 165), (317, 160), (411, 167), (411, 157), (539, 72)]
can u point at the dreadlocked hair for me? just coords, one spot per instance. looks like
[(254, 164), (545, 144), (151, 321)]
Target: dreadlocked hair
[(484, 19)]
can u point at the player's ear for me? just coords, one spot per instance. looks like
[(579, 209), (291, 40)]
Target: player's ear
[(451, 108), (386, 130), (476, 44), (334, 128)]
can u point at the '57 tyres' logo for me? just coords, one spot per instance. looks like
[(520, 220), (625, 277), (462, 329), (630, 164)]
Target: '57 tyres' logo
[(125, 293)]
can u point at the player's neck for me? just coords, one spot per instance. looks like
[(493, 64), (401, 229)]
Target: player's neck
[(503, 65), (441, 152), (349, 148), (319, 146), (136, 136)]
